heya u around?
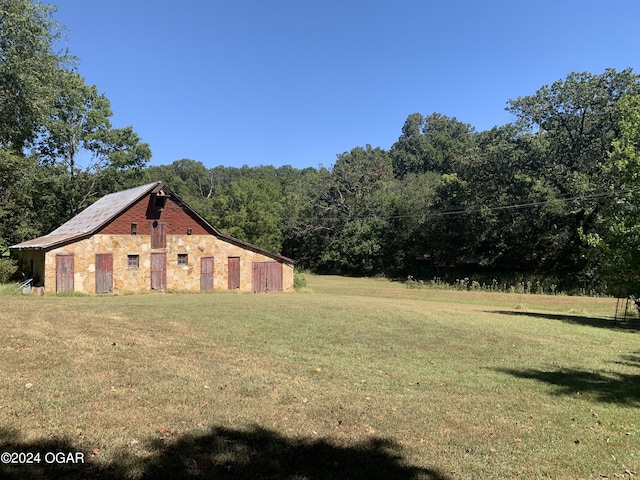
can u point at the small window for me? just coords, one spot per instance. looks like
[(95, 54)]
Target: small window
[(133, 261), (134, 229), (183, 259)]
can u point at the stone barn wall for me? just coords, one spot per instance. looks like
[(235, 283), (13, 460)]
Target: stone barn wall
[(179, 277)]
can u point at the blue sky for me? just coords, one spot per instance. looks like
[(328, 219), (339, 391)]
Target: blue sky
[(295, 82)]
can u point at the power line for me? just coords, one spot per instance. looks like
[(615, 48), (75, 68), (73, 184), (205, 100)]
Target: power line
[(511, 206)]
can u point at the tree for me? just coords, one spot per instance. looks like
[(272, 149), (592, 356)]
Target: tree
[(615, 241), (578, 118), (409, 151), (308, 217), (48, 118), (200, 181), (250, 210), (356, 211), (435, 143), (19, 218), (335, 220), (29, 64), (521, 207), (79, 124), (410, 222)]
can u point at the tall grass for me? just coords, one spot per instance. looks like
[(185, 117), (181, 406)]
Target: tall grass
[(10, 289), (520, 286)]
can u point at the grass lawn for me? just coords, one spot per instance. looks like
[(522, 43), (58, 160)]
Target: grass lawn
[(353, 378)]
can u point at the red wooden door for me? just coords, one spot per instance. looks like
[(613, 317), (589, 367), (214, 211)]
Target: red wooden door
[(158, 271), (266, 277), (233, 273), (206, 273), (274, 277), (104, 272), (64, 273), (158, 235)]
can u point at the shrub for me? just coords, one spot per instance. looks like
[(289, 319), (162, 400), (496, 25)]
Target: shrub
[(7, 268), (412, 283), (299, 280)]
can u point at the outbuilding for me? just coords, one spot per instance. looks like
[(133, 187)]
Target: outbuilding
[(147, 238)]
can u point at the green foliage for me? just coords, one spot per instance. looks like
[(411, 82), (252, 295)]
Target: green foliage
[(299, 280), (613, 242), (79, 120), (250, 210), (48, 116), (435, 143), (530, 286), (28, 70), (354, 212), (551, 197), (7, 268)]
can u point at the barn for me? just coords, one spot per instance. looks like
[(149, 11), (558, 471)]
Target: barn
[(147, 238)]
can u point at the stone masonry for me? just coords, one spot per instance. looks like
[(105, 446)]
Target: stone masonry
[(179, 277)]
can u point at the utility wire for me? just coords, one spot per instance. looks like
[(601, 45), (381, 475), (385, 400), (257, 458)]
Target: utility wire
[(512, 206), (541, 202)]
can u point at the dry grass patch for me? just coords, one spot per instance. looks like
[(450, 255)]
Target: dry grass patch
[(359, 378)]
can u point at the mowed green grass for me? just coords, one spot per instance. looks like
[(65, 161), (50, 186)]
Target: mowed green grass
[(353, 378)]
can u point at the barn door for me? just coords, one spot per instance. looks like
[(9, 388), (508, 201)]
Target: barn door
[(158, 271), (158, 235), (104, 272), (64, 273), (266, 277), (234, 273), (274, 278), (259, 277), (206, 273)]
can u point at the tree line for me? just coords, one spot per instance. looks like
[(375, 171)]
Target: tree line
[(552, 195)]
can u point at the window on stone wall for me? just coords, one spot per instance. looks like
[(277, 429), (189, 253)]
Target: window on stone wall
[(183, 259), (133, 261)]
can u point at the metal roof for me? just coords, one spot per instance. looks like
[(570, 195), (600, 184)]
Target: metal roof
[(44, 242), (91, 218), (94, 217), (103, 210)]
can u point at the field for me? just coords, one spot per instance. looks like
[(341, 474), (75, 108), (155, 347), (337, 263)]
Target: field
[(351, 378)]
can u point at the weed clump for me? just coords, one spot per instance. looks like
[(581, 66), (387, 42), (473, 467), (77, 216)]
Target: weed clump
[(537, 286), (299, 280)]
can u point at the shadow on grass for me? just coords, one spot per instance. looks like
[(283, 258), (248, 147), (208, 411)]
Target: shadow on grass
[(599, 322), (224, 453), (610, 387)]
